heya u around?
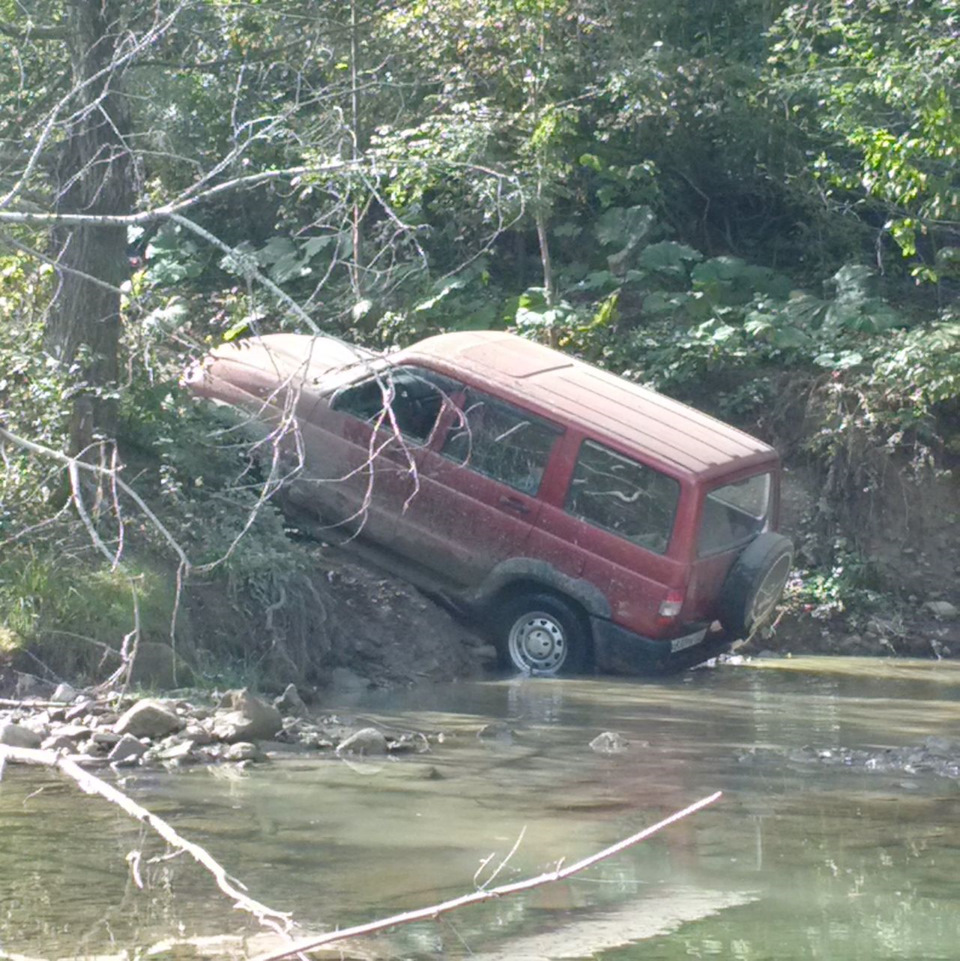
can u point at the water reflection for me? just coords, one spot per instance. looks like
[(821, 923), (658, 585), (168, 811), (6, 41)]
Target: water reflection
[(797, 861)]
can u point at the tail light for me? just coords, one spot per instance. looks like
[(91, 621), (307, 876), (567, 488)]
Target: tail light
[(670, 606)]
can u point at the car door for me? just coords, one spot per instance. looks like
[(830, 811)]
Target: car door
[(477, 489), (362, 445), (627, 514)]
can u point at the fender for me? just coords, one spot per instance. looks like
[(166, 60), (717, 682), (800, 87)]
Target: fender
[(545, 574)]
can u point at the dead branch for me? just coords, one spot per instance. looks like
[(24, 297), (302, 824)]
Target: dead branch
[(477, 897), (142, 43), (249, 268), (32, 32), (73, 463), (32, 704), (279, 921)]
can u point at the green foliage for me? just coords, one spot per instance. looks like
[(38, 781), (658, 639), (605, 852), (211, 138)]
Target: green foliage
[(208, 472), (172, 257), (848, 585), (34, 391), (874, 83), (921, 368), (63, 606)]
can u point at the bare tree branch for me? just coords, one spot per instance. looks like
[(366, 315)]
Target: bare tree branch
[(282, 921), (279, 921), (249, 268), (73, 462), (132, 50), (433, 912), (32, 32)]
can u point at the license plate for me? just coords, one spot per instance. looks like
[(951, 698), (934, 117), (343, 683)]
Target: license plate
[(682, 643)]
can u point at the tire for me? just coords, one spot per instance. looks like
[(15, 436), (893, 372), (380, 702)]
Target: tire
[(544, 635), (755, 583)]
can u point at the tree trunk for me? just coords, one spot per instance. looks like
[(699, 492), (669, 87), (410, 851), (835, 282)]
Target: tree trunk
[(549, 282), (93, 177)]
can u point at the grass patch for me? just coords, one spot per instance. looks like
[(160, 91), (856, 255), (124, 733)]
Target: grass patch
[(67, 612)]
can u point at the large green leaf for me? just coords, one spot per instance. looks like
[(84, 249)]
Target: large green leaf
[(669, 257)]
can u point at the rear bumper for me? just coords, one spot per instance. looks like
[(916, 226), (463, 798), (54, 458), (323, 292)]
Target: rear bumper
[(619, 651)]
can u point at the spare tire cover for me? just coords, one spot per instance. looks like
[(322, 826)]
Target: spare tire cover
[(755, 583)]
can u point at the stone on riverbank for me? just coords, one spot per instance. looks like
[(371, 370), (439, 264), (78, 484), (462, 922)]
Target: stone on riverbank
[(942, 610), (149, 718), (128, 750), (16, 735), (249, 719)]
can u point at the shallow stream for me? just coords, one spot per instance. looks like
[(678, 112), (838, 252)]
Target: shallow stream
[(799, 859)]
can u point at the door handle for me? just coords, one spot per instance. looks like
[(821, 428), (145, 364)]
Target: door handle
[(514, 504)]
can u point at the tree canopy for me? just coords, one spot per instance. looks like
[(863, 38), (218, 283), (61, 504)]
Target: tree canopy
[(715, 197)]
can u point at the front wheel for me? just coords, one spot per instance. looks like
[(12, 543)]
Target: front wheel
[(543, 634)]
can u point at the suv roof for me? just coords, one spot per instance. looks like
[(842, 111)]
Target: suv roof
[(580, 394)]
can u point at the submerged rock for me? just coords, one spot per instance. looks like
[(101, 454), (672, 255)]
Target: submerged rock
[(496, 731), (367, 741), (609, 742)]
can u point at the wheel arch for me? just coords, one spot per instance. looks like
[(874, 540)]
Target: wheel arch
[(521, 575)]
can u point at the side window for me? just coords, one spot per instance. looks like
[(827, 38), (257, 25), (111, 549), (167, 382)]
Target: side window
[(623, 496), (415, 397), (501, 441)]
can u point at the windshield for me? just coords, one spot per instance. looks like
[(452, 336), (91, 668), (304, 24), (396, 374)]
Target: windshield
[(734, 514)]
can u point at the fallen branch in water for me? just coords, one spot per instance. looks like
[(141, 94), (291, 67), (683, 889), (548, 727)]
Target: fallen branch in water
[(279, 921), (477, 897)]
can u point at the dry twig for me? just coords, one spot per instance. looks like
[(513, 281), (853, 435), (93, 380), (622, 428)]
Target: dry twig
[(279, 921), (477, 897)]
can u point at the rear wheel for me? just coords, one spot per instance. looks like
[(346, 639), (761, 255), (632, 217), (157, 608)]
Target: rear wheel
[(755, 583), (543, 634)]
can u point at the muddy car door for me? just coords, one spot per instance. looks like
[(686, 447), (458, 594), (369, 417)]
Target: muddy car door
[(362, 442), (478, 485)]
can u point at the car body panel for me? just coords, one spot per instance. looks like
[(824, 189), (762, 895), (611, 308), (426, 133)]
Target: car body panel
[(434, 500)]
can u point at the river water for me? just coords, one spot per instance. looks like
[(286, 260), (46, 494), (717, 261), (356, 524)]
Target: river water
[(798, 860)]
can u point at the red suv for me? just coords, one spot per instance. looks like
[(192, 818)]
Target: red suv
[(590, 520)]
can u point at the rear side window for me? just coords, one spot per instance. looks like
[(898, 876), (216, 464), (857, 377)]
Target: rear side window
[(623, 496), (501, 441), (415, 397), (734, 514)]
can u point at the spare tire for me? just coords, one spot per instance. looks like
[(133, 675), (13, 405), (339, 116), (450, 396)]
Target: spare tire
[(755, 583)]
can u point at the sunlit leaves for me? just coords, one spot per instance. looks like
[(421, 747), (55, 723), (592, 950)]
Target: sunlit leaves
[(877, 81)]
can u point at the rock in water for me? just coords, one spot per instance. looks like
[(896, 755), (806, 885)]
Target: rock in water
[(367, 741), (608, 743)]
